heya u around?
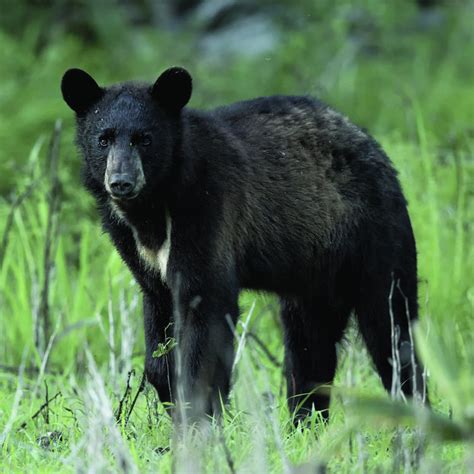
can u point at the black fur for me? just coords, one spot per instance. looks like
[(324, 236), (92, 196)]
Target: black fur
[(280, 194)]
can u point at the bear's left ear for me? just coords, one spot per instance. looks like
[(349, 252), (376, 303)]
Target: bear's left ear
[(80, 91), (172, 90)]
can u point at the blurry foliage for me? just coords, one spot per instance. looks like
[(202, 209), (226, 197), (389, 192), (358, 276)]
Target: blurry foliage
[(407, 80), (373, 61), (358, 58), (404, 72)]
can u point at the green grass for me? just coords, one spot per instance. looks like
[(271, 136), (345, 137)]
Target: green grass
[(415, 95)]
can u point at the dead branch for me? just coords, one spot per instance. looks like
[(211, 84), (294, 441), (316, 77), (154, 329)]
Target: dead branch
[(40, 409), (42, 328), (264, 348), (118, 414), (141, 387), (46, 396), (228, 455)]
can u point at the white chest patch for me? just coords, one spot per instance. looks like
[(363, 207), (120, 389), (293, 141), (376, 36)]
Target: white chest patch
[(117, 212), (156, 260)]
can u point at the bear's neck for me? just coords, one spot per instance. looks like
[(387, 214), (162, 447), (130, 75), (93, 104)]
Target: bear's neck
[(146, 219)]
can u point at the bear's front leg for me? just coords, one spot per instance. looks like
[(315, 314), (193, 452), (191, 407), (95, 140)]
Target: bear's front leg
[(159, 342), (205, 316)]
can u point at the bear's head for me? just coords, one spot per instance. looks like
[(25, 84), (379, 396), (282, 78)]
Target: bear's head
[(127, 132)]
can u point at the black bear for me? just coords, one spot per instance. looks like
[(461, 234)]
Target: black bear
[(280, 194)]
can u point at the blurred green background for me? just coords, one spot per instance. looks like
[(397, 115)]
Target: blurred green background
[(403, 69)]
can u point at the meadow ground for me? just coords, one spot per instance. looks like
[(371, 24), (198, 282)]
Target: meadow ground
[(71, 343)]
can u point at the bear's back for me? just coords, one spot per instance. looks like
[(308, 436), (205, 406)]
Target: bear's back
[(290, 121), (309, 177)]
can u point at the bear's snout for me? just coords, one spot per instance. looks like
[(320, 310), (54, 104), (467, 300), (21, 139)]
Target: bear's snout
[(122, 185), (124, 177)]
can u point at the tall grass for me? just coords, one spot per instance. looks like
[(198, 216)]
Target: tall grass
[(95, 310), (414, 93)]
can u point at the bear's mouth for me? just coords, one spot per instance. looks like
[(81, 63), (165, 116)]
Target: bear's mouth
[(121, 198)]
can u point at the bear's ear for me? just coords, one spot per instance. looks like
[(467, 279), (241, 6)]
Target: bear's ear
[(172, 90), (80, 91)]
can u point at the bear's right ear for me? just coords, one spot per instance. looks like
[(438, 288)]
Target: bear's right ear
[(80, 91)]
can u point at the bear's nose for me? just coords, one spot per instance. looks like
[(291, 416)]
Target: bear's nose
[(121, 185)]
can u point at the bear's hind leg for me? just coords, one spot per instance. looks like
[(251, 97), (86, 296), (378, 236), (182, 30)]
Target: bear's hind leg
[(387, 306), (311, 333)]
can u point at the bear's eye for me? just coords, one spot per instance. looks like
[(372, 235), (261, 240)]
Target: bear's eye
[(145, 140), (104, 142)]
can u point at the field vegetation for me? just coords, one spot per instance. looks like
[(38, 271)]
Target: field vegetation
[(72, 398)]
